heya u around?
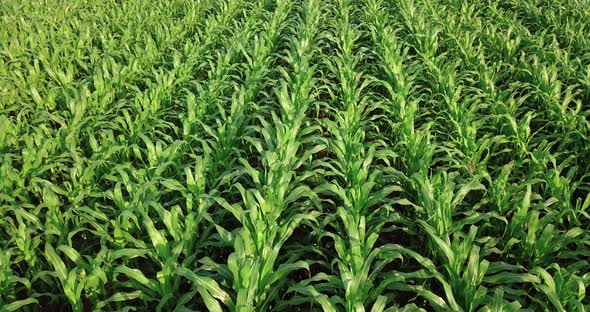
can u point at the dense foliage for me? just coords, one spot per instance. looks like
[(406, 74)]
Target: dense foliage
[(272, 155)]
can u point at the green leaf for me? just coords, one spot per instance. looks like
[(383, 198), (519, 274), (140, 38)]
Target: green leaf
[(119, 297), (58, 264), (509, 278), (379, 304), (172, 185), (18, 305), (70, 252), (208, 284), (139, 277)]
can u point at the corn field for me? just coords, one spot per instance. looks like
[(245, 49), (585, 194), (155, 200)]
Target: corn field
[(295, 155)]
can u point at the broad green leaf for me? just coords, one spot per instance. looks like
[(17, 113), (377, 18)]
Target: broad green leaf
[(18, 305)]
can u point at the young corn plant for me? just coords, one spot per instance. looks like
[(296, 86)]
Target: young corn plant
[(9, 285), (413, 144), (219, 75), (563, 289), (171, 249), (258, 242), (211, 99), (355, 182), (228, 124), (447, 87), (464, 272)]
